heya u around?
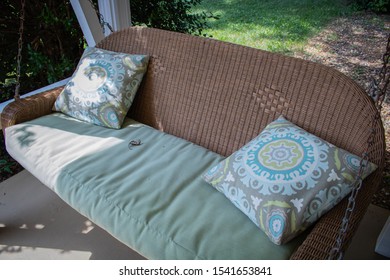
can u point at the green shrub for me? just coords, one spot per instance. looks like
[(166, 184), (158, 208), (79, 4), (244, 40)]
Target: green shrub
[(378, 6), (52, 44), (172, 15)]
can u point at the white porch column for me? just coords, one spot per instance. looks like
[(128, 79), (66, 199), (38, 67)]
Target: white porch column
[(88, 20), (116, 13)]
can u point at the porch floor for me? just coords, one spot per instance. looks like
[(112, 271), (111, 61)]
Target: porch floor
[(43, 227)]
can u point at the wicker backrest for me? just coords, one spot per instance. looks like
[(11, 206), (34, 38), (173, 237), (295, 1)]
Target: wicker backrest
[(221, 95)]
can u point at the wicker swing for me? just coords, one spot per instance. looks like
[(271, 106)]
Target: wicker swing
[(333, 232)]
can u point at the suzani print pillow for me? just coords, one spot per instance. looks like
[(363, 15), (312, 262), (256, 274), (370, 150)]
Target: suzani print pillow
[(285, 179), (103, 87)]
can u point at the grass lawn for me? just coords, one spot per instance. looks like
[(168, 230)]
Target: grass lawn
[(275, 25)]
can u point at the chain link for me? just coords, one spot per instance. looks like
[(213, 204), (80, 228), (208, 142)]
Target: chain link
[(20, 46), (377, 91), (103, 23), (336, 252)]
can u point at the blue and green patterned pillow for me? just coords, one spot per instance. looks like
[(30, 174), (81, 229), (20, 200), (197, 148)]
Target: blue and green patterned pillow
[(103, 87), (285, 179)]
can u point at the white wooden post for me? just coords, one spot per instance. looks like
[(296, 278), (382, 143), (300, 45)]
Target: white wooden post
[(88, 20), (116, 13)]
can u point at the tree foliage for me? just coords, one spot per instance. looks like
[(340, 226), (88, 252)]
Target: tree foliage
[(53, 41), (378, 6), (172, 15)]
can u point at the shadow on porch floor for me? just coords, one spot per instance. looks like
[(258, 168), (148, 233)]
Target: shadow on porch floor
[(36, 224)]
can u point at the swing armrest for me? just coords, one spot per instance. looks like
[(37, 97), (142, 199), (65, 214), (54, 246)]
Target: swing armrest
[(29, 108)]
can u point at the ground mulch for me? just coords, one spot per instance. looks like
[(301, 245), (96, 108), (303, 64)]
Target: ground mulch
[(355, 45)]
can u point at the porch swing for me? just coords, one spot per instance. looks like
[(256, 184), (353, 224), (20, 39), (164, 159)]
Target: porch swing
[(331, 234)]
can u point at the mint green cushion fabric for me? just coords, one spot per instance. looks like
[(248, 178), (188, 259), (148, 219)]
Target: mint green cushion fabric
[(286, 178), (151, 197), (103, 87)]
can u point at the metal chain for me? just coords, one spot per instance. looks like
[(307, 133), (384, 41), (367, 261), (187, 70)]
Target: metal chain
[(377, 91), (103, 23), (336, 252), (20, 46)]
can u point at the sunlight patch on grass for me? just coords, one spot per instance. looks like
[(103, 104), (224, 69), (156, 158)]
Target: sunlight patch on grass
[(275, 25)]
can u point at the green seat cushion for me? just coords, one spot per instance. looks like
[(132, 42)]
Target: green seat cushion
[(150, 196)]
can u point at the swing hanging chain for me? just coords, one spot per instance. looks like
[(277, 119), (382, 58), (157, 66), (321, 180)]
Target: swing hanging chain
[(377, 91), (19, 56), (103, 23), (336, 252)]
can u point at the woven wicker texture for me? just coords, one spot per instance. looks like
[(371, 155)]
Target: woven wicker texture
[(29, 108), (221, 95)]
